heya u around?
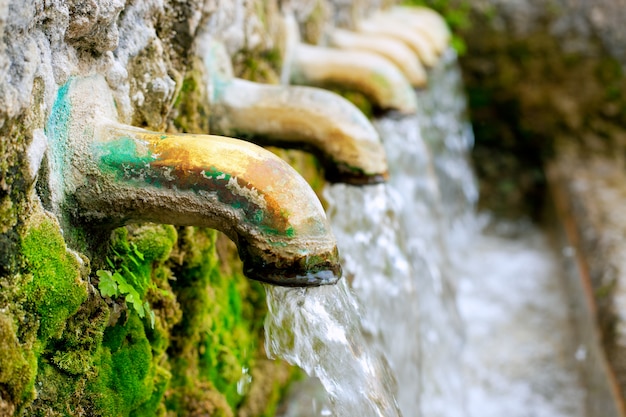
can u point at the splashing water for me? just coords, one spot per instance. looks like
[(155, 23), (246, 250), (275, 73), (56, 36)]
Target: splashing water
[(405, 249), (521, 355), (445, 126), (374, 259), (318, 330), (413, 178)]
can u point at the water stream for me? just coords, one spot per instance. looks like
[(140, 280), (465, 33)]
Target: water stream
[(376, 261), (445, 126), (318, 330), (469, 312), (439, 329)]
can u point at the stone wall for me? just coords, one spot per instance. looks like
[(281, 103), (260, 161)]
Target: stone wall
[(536, 71), (547, 88), (191, 341)]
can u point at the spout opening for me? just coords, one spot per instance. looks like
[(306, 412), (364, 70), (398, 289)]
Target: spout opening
[(341, 173), (298, 271), (366, 72)]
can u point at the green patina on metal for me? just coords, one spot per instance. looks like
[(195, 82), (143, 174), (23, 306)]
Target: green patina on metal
[(121, 155), (57, 127), (126, 160), (216, 174)]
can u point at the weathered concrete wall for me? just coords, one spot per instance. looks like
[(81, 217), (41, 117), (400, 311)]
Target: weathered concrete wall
[(534, 71), (547, 87), (65, 349), (587, 194)]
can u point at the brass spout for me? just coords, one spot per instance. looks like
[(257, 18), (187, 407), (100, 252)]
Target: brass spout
[(374, 76), (392, 49), (427, 21), (114, 174), (311, 119), (386, 25)]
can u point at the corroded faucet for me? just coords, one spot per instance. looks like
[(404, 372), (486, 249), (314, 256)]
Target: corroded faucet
[(111, 174), (426, 21), (394, 50), (312, 119), (417, 30), (371, 74)]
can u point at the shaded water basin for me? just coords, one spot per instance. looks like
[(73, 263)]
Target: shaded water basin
[(521, 352), (523, 355), (530, 345)]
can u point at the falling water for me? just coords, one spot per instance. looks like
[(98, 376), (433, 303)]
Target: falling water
[(318, 330), (392, 252), (469, 311), (445, 126), (413, 179), (519, 358), (366, 221)]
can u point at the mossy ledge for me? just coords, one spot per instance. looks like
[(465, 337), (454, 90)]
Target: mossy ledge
[(67, 351)]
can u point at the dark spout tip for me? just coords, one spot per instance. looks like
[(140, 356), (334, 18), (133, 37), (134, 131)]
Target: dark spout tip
[(304, 271), (339, 173), (282, 278)]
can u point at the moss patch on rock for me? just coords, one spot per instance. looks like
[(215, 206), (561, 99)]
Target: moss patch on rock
[(69, 351), (191, 108), (215, 342), (49, 290), (126, 379), (525, 92), (57, 289)]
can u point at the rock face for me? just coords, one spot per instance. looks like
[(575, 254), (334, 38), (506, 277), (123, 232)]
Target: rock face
[(547, 87), (535, 73), (142, 320)]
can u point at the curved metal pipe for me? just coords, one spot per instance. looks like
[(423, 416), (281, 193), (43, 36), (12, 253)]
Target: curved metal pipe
[(392, 49), (312, 119), (374, 76), (383, 24), (116, 174), (426, 21)]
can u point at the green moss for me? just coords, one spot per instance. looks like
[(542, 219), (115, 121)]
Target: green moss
[(14, 189), (155, 242), (75, 351), (17, 365), (155, 406), (126, 372), (138, 251), (57, 393), (218, 335), (132, 380), (200, 361), (258, 66), (56, 290), (51, 294), (359, 100), (191, 106)]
